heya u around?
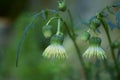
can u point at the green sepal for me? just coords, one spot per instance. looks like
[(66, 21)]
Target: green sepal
[(95, 41), (57, 39)]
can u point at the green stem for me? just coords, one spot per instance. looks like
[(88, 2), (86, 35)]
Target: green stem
[(105, 26), (58, 27), (88, 77), (71, 21), (51, 20), (78, 51)]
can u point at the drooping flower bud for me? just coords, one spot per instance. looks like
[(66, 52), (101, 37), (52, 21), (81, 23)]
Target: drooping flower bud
[(47, 31), (94, 24), (85, 36)]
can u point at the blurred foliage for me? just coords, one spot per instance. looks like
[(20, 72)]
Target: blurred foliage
[(32, 66), (12, 8)]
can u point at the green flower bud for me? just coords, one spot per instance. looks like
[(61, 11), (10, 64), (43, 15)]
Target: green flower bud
[(62, 5), (85, 36), (47, 31), (95, 23)]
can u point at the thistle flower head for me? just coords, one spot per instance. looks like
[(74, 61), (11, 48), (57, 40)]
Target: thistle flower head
[(95, 51), (55, 50)]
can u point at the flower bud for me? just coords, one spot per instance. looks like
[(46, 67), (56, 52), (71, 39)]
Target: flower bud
[(62, 5), (85, 36), (95, 23), (47, 31)]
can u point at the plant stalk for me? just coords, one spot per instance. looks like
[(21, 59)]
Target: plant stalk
[(78, 52), (72, 34), (105, 26), (58, 27)]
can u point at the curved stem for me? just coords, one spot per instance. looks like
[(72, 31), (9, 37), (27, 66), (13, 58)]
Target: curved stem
[(105, 26), (71, 20), (51, 20), (88, 76), (78, 52)]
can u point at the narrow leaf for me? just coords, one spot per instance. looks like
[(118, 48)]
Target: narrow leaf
[(118, 54), (21, 42), (118, 18)]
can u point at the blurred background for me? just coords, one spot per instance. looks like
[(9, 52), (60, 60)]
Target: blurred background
[(15, 15)]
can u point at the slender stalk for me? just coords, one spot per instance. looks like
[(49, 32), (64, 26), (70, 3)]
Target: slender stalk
[(58, 27), (72, 34), (78, 51), (105, 26), (51, 20), (71, 20)]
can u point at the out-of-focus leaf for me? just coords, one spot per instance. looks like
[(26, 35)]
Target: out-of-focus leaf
[(111, 25), (116, 4), (118, 18), (22, 40), (44, 15), (31, 24), (118, 54), (111, 10)]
